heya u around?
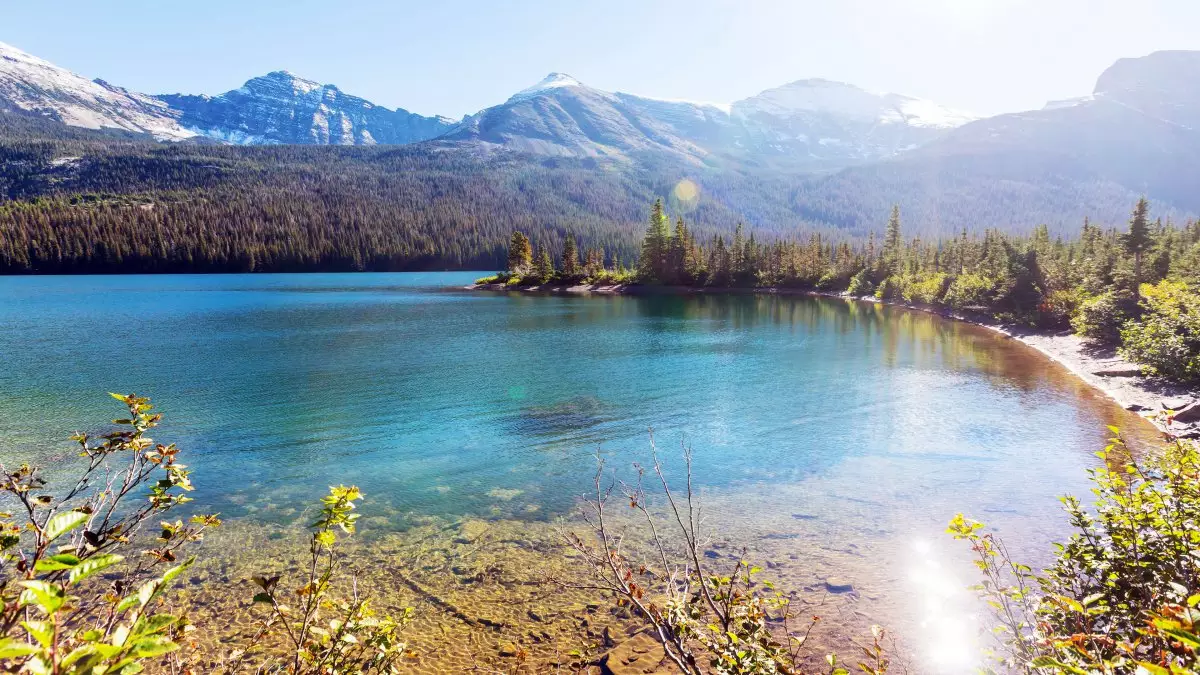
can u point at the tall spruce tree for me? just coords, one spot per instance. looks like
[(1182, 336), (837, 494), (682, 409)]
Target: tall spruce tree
[(570, 258), (652, 264), (1138, 240), (892, 243), (543, 266), (520, 255)]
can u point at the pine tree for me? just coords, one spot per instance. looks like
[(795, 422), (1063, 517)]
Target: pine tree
[(543, 268), (677, 255), (570, 258), (652, 264), (1138, 240), (892, 242), (520, 255)]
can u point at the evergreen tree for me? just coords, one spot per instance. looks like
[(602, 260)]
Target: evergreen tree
[(543, 267), (570, 258), (520, 255), (892, 243), (677, 256), (1138, 240), (652, 264)]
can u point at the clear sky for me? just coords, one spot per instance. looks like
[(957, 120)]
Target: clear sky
[(454, 57)]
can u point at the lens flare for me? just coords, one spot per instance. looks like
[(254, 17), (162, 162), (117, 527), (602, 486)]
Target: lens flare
[(686, 194)]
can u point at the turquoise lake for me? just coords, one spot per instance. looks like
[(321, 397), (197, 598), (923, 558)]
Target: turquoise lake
[(845, 417)]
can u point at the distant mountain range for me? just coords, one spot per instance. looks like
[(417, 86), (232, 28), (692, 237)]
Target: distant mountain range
[(810, 152), (814, 124)]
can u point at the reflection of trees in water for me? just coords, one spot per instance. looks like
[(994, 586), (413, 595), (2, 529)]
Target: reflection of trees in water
[(901, 336)]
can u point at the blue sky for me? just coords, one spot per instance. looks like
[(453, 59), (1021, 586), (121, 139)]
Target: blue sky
[(454, 57)]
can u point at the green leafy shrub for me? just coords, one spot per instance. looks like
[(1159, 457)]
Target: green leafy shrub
[(1102, 317), (1060, 307), (1165, 339), (56, 616), (970, 291), (860, 284), (1122, 594), (72, 604), (925, 289), (831, 281), (890, 289)]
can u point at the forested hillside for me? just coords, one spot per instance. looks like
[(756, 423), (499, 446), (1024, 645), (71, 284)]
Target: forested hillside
[(75, 201)]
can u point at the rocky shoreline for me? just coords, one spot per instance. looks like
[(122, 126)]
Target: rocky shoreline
[(1100, 367)]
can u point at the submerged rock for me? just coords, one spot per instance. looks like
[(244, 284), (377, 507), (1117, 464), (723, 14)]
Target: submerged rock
[(838, 585), (470, 530), (639, 654)]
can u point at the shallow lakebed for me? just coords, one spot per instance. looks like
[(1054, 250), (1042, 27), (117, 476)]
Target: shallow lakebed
[(832, 439)]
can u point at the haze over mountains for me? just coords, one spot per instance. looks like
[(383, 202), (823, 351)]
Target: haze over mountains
[(812, 153)]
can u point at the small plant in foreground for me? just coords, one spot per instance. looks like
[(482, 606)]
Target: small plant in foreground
[(324, 634), (57, 616), (74, 601), (1122, 594), (707, 620)]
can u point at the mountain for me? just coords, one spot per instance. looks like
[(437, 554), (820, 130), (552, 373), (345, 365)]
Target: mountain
[(1138, 133), (831, 124), (31, 86), (559, 116), (810, 124), (562, 157), (281, 108)]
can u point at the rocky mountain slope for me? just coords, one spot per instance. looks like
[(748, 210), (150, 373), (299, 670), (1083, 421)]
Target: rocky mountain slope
[(810, 124), (32, 86), (1137, 134), (280, 107)]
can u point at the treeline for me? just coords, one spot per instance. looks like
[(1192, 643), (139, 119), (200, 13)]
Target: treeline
[(81, 201), (1134, 287)]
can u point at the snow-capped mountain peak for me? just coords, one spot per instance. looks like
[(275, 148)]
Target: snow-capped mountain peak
[(548, 83), (819, 96), (919, 112), (34, 86)]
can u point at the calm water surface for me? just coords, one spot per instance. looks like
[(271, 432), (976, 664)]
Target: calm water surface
[(866, 423)]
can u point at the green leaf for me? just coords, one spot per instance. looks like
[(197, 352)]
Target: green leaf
[(46, 596), (156, 645), (54, 563), (42, 631), (62, 523), (151, 589), (154, 624), (92, 565), (11, 649)]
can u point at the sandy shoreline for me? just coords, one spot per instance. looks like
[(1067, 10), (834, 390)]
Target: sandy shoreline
[(1100, 367)]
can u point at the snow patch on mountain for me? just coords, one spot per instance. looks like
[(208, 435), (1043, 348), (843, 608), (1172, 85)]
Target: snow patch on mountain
[(845, 101), (726, 108), (36, 86), (548, 83)]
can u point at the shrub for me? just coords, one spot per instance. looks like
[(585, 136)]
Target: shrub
[(1102, 317), (926, 289), (890, 289), (970, 291), (1121, 596), (1061, 307), (495, 278), (60, 616), (707, 620), (831, 281), (1165, 339), (860, 284)]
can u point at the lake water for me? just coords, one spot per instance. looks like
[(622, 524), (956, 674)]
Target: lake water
[(812, 420)]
